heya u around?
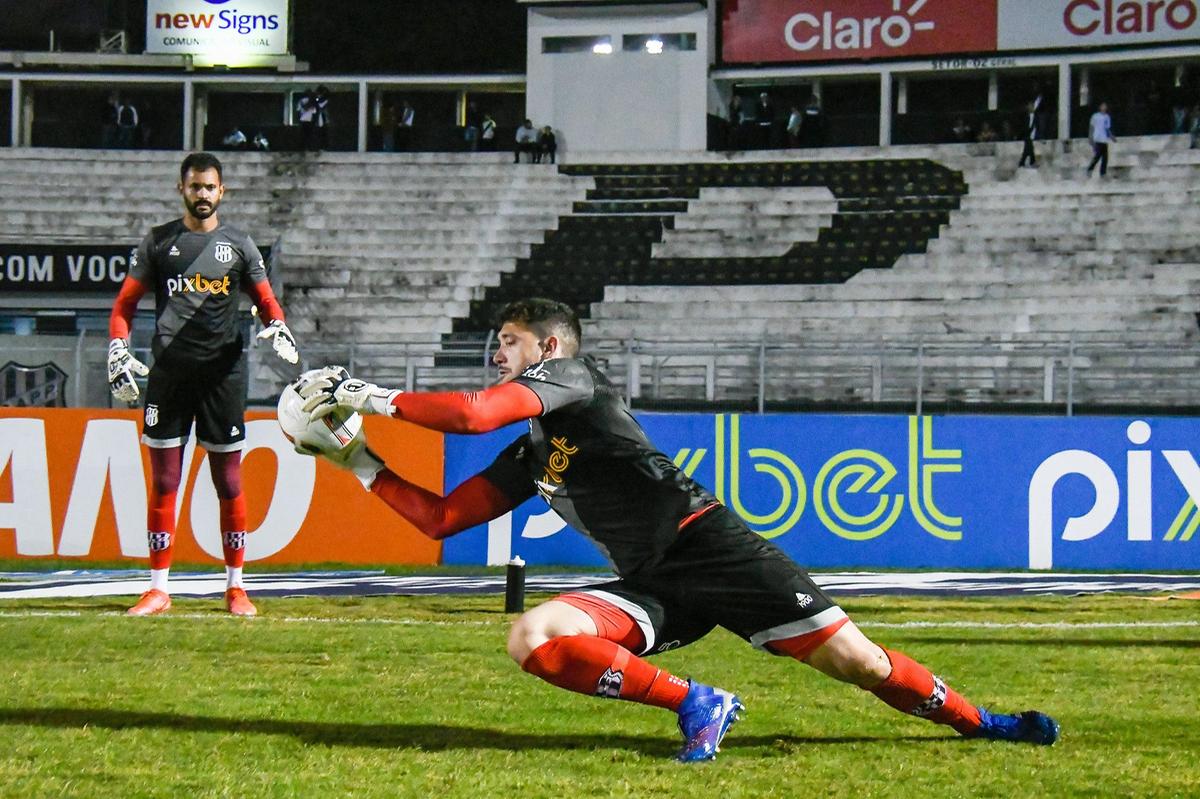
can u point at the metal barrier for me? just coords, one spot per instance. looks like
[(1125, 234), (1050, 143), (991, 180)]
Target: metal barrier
[(1057, 374)]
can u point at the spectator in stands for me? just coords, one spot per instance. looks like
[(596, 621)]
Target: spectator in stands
[(742, 122), (127, 123), (1179, 108), (1194, 126), (260, 142), (235, 139), (405, 128), (1100, 135), (108, 121), (322, 119), (547, 145), (1030, 128), (388, 120), (961, 132), (487, 135), (526, 142), (812, 132), (794, 123), (306, 110), (474, 121), (986, 132), (765, 119)]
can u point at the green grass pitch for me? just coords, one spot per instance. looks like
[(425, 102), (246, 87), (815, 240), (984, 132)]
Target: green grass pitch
[(415, 697)]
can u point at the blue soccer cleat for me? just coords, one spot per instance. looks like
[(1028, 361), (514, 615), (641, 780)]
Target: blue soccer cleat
[(704, 717), (1030, 727)]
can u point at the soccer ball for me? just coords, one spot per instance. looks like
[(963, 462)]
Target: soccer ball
[(336, 436)]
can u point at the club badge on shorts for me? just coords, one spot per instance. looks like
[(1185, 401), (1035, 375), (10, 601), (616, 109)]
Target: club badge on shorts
[(151, 415)]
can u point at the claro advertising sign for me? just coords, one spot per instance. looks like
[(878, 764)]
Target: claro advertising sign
[(222, 31), (909, 492), (770, 31)]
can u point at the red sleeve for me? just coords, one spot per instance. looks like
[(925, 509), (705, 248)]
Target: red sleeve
[(469, 412), (264, 299), (474, 502), (121, 320)]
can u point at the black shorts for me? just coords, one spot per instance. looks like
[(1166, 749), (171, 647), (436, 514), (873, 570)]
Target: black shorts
[(212, 393), (720, 573)]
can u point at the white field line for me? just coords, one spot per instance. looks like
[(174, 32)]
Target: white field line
[(885, 625)]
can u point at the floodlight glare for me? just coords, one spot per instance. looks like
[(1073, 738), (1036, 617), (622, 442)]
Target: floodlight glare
[(602, 48), (654, 46)]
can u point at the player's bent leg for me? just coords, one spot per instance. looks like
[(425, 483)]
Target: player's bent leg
[(587, 645), (911, 688)]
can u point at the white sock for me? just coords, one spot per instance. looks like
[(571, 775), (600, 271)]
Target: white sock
[(158, 579), (233, 577)]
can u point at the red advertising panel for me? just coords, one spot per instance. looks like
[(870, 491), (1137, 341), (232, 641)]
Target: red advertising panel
[(767, 31), (73, 485)]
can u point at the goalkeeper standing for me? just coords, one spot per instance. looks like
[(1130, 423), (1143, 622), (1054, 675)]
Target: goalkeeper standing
[(196, 266)]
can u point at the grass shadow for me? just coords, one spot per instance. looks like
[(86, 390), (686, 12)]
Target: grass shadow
[(424, 737)]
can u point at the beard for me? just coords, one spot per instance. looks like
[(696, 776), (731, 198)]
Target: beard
[(205, 210)]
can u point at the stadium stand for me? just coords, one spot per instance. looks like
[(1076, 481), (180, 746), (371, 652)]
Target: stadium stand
[(839, 275)]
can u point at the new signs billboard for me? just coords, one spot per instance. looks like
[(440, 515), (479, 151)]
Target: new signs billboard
[(222, 31)]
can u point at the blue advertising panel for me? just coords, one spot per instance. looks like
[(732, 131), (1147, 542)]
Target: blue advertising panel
[(906, 491)]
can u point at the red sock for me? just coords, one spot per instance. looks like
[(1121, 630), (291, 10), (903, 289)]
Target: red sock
[(590, 665), (160, 528), (233, 530), (911, 688)]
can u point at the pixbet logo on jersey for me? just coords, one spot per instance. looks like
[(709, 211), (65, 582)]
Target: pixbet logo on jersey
[(197, 283)]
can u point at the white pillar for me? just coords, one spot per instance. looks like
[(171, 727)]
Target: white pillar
[(189, 115), (1064, 101), (14, 126), (362, 116), (885, 108), (993, 90), (200, 117), (27, 119), (901, 95)]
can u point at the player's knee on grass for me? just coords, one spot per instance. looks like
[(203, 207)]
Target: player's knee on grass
[(851, 657), (548, 620)]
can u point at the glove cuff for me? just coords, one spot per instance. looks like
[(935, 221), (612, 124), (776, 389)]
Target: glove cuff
[(380, 401)]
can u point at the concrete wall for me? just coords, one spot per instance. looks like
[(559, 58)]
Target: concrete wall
[(629, 101)]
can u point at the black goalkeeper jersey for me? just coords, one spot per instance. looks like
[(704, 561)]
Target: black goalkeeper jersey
[(196, 279), (591, 461)]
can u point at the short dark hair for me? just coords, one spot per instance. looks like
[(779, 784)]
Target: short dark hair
[(200, 162), (545, 318)]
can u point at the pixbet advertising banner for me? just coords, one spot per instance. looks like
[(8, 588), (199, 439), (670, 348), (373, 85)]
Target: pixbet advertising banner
[(73, 485), (778, 31), (221, 30), (906, 492)]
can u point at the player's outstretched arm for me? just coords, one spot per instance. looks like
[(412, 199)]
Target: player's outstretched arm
[(474, 502), (447, 412)]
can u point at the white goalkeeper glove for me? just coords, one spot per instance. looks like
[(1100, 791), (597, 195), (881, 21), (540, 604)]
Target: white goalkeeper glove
[(122, 366), (282, 340), (333, 387)]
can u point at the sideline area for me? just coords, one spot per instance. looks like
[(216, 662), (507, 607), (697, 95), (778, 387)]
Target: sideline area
[(86, 583)]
